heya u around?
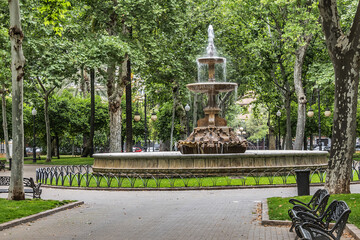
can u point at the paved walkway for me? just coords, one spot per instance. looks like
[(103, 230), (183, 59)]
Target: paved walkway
[(212, 214)]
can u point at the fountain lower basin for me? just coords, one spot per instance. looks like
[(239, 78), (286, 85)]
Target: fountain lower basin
[(208, 164)]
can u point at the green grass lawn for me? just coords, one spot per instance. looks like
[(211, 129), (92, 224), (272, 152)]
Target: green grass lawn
[(64, 160), (356, 156), (278, 207), (10, 210)]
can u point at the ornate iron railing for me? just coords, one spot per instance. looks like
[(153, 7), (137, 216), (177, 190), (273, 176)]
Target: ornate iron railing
[(83, 176)]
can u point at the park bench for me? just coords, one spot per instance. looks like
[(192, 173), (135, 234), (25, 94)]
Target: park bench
[(315, 206), (32, 187), (319, 227)]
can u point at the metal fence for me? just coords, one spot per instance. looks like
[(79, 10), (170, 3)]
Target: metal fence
[(83, 176)]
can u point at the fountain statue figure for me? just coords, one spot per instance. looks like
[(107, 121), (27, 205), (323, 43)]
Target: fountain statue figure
[(212, 135)]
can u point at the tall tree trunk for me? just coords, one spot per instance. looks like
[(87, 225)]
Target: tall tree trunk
[(288, 136), (114, 96), (116, 86), (73, 148), (47, 127), (344, 53), (301, 98), (57, 146), (5, 125), (115, 128), (16, 189), (173, 119)]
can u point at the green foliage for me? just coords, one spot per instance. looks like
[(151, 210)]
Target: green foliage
[(258, 38), (53, 12), (69, 119), (64, 160)]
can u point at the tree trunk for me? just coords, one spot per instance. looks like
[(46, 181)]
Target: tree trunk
[(173, 120), (272, 142), (5, 125), (344, 126), (344, 53), (114, 96), (16, 189), (73, 148), (47, 127), (57, 146), (288, 137), (301, 98), (86, 145)]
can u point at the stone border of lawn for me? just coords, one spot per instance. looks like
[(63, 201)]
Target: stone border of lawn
[(36, 216), (265, 221)]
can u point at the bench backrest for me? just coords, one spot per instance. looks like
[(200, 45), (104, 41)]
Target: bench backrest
[(318, 199), (338, 211), (4, 181), (27, 182)]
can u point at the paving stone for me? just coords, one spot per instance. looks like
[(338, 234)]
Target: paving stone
[(160, 215)]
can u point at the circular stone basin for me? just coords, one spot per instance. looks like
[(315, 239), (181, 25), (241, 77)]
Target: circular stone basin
[(206, 87), (210, 60), (167, 162)]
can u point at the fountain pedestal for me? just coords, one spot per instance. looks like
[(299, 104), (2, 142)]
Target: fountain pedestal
[(212, 135)]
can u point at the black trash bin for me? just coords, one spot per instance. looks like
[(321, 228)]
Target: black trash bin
[(303, 182)]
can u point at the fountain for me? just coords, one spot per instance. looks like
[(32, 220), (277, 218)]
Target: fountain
[(212, 135), (212, 148)]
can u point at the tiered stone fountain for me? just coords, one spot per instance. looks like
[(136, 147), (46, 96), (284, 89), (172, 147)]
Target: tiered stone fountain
[(213, 148), (212, 135)]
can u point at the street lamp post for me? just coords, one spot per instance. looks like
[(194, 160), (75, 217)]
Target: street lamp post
[(33, 112), (145, 124), (278, 114), (187, 109), (319, 116), (327, 113)]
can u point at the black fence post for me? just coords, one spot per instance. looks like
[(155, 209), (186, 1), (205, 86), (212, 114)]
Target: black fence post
[(303, 182)]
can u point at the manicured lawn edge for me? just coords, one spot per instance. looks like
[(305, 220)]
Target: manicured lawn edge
[(36, 216), (265, 221)]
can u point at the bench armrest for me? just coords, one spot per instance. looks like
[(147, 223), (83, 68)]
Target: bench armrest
[(298, 202)]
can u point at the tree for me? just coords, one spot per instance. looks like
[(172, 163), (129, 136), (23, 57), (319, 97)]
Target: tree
[(5, 74), (16, 189), (344, 51)]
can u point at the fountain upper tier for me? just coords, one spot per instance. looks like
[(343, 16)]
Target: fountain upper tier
[(211, 87), (211, 60)]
